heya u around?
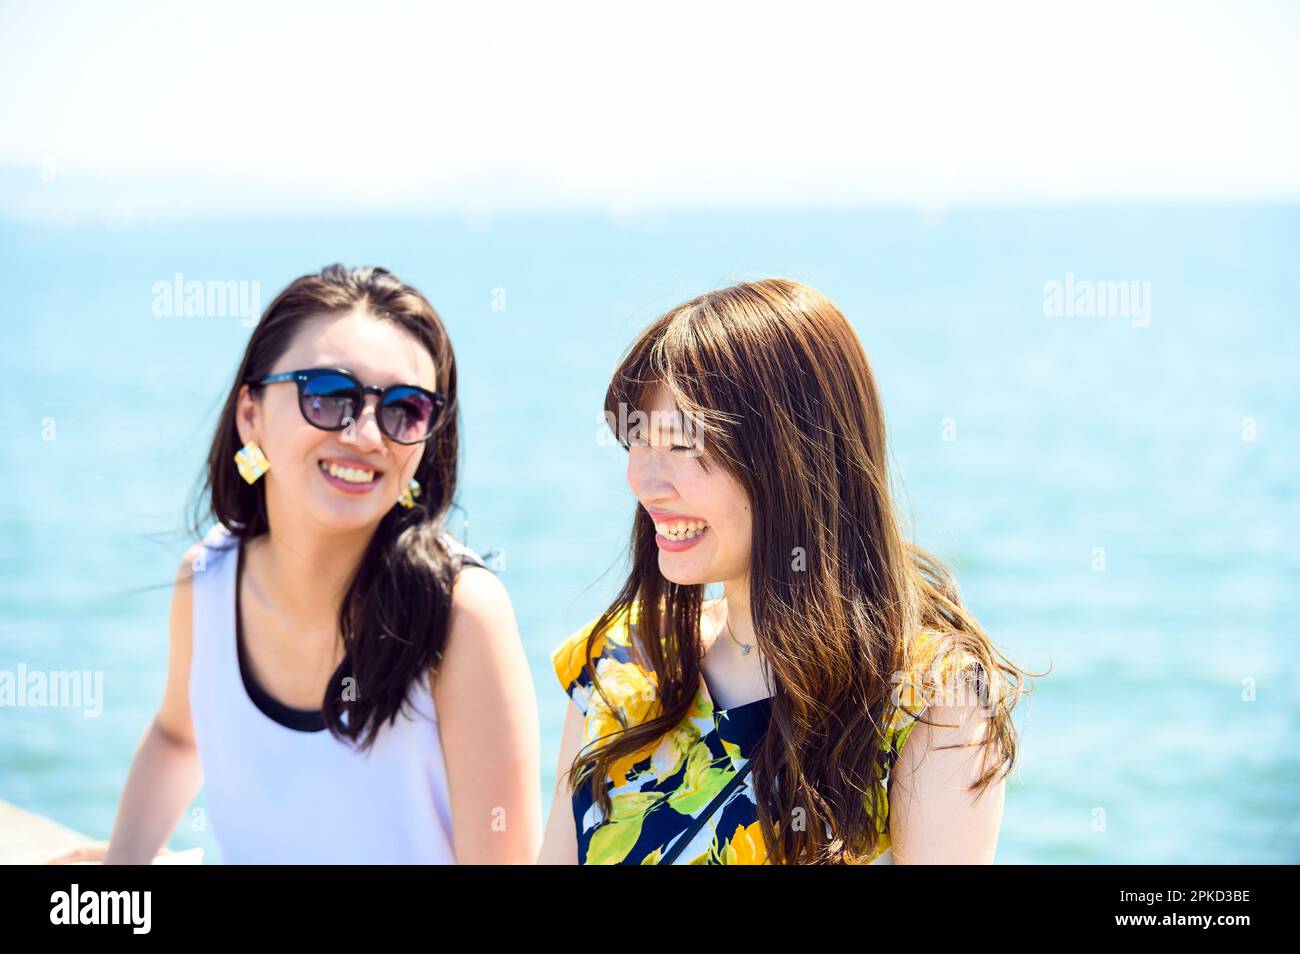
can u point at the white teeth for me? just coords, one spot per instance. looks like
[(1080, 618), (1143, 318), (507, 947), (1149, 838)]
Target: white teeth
[(682, 529), (353, 475)]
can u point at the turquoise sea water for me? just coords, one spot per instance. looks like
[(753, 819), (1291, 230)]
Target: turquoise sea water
[(1031, 447)]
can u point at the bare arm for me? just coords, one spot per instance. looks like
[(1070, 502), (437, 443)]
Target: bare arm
[(933, 818), (165, 774), (560, 846), (487, 722)]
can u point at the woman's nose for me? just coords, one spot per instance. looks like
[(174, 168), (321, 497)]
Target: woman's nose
[(364, 431), (645, 474)]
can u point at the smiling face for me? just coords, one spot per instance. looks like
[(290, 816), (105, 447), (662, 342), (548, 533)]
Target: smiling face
[(342, 480), (702, 516)]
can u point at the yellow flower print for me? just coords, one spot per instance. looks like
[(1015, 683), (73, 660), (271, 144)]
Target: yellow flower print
[(613, 840), (632, 700), (570, 657), (701, 781), (672, 751), (930, 681), (745, 847)]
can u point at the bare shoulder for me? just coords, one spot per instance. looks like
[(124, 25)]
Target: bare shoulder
[(479, 594), (483, 656), (952, 725), (173, 718), (954, 748), (482, 620), (192, 563)]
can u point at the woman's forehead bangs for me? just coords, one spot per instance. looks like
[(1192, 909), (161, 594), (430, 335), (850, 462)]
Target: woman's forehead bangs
[(669, 354)]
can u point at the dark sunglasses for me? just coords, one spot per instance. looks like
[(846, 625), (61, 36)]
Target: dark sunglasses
[(331, 399)]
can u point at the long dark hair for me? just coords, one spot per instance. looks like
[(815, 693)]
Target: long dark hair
[(394, 615), (778, 384)]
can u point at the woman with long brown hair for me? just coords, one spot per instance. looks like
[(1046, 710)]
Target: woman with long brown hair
[(768, 725), (346, 679)]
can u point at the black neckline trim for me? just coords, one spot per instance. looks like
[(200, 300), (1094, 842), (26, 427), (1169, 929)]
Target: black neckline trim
[(300, 720)]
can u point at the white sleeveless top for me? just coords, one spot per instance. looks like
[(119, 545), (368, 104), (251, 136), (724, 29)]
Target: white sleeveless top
[(280, 792)]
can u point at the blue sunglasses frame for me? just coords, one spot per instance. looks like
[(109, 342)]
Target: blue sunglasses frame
[(305, 376)]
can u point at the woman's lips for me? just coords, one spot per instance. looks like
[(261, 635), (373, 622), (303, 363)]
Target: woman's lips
[(676, 532), (348, 486), (676, 546)]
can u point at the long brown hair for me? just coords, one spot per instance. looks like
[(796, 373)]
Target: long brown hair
[(777, 382), (394, 615)]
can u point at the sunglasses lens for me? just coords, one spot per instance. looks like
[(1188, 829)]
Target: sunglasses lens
[(407, 414), (328, 400)]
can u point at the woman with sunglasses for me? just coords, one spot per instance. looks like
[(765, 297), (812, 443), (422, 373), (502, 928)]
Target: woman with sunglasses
[(346, 680), (769, 725)]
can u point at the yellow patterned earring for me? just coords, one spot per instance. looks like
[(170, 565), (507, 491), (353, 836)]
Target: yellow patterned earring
[(252, 463), (412, 491)]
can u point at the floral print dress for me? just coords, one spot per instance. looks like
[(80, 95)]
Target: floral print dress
[(658, 793)]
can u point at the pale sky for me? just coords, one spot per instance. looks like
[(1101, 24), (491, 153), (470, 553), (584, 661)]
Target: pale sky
[(477, 109)]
